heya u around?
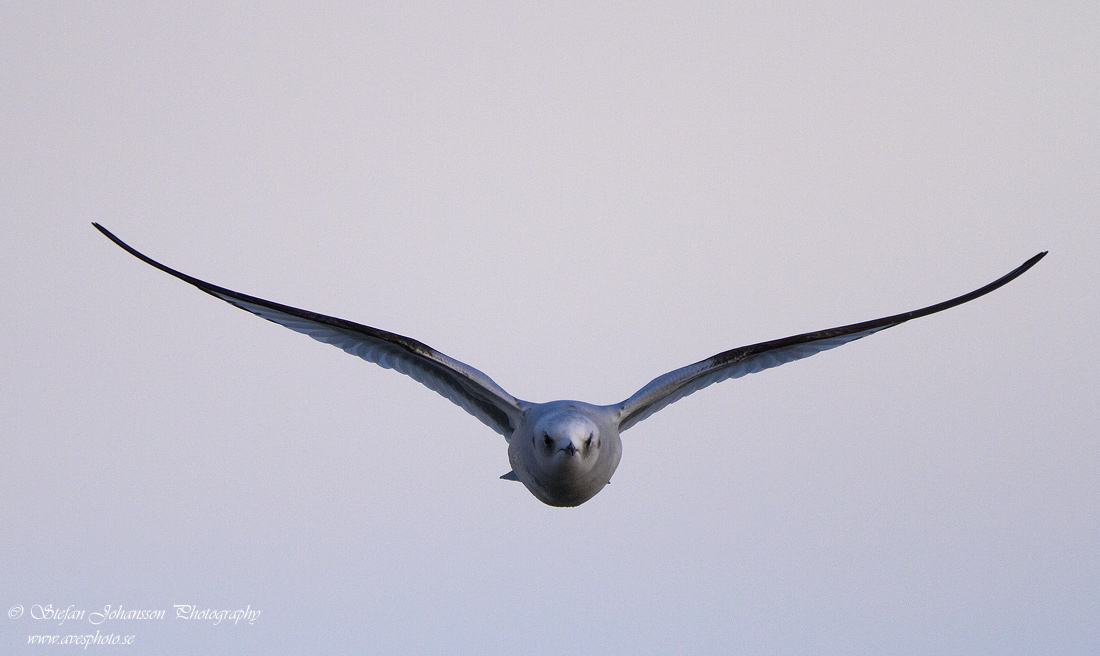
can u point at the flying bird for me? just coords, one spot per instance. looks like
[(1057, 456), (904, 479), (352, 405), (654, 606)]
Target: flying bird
[(564, 452)]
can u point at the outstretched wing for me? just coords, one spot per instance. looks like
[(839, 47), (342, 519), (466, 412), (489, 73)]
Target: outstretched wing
[(467, 387), (738, 362)]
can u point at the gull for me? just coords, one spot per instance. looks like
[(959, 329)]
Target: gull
[(564, 452)]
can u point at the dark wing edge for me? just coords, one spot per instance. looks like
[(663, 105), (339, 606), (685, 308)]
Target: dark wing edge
[(738, 362), (460, 383)]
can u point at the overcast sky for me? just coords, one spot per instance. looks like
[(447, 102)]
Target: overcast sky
[(573, 199)]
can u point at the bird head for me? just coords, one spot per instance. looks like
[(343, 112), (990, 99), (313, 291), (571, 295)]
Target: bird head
[(566, 440)]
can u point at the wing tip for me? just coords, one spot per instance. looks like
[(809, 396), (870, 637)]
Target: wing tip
[(105, 231), (1018, 271), (126, 247)]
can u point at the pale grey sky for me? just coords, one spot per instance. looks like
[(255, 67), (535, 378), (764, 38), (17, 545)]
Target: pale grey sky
[(573, 199)]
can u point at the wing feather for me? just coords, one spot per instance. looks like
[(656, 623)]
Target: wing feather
[(460, 383), (675, 385)]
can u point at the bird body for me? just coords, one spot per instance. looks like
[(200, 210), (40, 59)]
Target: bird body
[(564, 452)]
